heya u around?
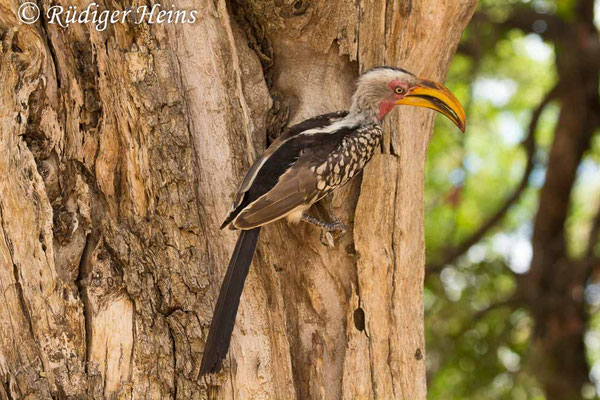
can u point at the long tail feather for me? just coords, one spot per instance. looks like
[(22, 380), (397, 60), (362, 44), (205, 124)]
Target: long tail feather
[(223, 320)]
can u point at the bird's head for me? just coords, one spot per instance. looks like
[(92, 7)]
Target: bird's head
[(381, 88)]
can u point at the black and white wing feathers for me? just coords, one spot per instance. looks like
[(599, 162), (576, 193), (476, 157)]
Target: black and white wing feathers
[(276, 161), (297, 170)]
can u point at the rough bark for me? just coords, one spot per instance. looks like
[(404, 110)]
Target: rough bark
[(121, 150)]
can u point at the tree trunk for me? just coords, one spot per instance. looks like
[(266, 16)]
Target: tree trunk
[(121, 150)]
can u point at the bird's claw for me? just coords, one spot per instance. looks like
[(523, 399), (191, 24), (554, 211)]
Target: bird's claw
[(327, 239), (327, 233), (327, 229)]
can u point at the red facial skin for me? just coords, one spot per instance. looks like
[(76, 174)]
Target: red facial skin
[(388, 104)]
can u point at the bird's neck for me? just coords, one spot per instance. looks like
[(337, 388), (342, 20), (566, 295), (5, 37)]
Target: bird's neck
[(364, 116), (354, 119), (366, 108)]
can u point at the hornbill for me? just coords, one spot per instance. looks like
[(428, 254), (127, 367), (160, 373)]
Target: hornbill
[(304, 164)]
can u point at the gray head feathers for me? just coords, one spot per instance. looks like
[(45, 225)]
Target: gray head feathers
[(373, 87)]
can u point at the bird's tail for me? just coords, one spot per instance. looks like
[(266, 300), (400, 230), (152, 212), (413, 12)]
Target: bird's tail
[(223, 320)]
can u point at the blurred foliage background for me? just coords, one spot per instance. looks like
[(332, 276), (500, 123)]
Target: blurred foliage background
[(512, 295)]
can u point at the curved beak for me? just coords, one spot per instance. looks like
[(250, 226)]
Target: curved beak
[(433, 95)]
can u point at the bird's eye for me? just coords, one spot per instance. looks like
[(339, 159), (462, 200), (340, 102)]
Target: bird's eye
[(399, 90)]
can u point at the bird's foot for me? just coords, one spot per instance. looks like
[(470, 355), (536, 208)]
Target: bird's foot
[(327, 228), (326, 239), (336, 226)]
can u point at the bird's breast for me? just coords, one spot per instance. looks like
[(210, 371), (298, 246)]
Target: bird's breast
[(347, 159)]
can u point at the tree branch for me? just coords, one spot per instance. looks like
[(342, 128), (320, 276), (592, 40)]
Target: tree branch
[(513, 302), (591, 261), (529, 143), (549, 26), (594, 233), (526, 19)]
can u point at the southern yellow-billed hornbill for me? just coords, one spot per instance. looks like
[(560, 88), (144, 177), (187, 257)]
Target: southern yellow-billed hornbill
[(303, 165)]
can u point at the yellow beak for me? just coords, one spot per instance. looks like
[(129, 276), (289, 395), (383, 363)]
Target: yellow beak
[(433, 95)]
